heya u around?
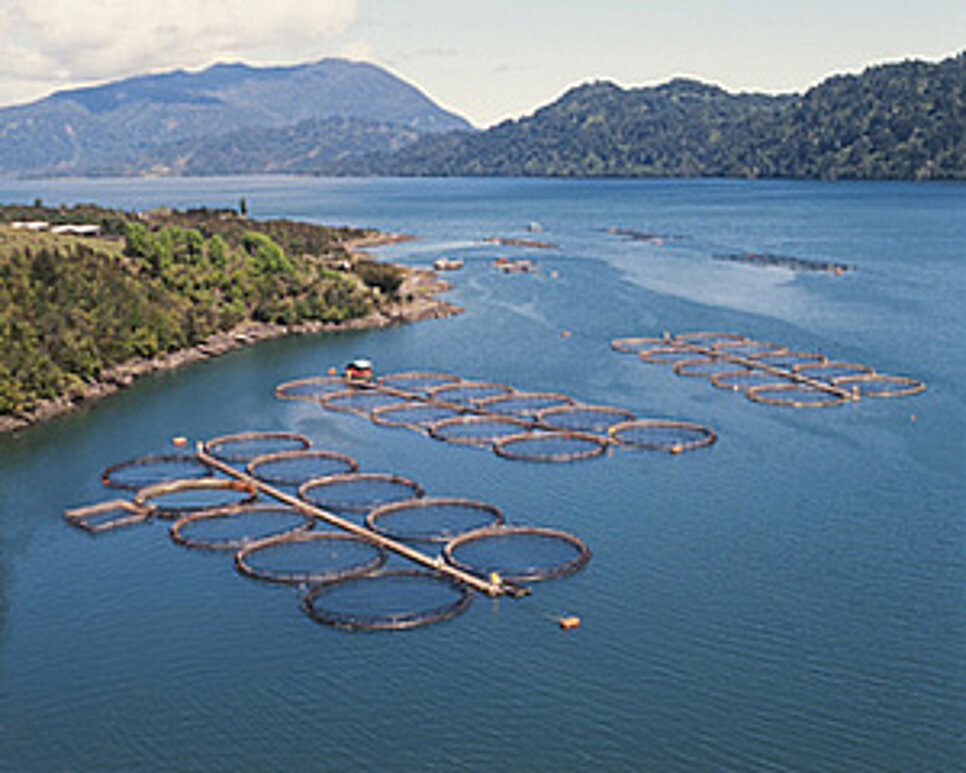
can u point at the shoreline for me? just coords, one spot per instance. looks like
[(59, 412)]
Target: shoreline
[(424, 285)]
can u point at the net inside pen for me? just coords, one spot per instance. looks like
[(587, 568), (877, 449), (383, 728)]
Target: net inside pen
[(523, 404), (880, 385), (106, 516), (831, 371), (468, 392), (748, 349), (595, 419), (293, 468), (476, 430), (144, 471), (666, 355), (243, 447), (433, 519), (413, 415), (359, 492), (550, 446), (743, 378), (708, 338), (387, 600), (662, 435), (518, 553), (701, 367), (312, 556), (234, 527), (309, 389), (358, 400), (788, 360), (794, 395), (176, 498), (416, 382)]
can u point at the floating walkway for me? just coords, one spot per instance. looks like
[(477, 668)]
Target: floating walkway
[(767, 372), (515, 424), (215, 504)]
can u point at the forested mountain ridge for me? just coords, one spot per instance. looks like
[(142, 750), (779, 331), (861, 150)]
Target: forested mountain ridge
[(107, 127), (895, 121)]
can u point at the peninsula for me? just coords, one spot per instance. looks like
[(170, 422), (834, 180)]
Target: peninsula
[(92, 298)]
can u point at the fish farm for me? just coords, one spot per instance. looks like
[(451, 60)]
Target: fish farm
[(767, 372), (291, 514), (514, 424)]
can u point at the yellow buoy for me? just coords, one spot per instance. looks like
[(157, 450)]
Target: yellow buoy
[(179, 440), (676, 449), (495, 578)]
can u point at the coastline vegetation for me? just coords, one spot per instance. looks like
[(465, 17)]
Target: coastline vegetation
[(72, 306)]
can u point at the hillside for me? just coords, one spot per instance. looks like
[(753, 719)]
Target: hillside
[(108, 127), (73, 308), (897, 121)]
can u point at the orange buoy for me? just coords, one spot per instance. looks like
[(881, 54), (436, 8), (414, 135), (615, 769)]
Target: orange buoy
[(179, 440), (676, 449), (565, 334), (333, 370), (912, 417), (567, 623)]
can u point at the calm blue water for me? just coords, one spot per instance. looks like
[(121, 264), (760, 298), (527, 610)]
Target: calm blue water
[(791, 599)]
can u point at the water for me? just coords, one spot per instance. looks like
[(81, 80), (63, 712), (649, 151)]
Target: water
[(790, 599)]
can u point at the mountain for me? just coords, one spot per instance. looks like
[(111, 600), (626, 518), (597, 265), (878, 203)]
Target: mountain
[(898, 121), (110, 126)]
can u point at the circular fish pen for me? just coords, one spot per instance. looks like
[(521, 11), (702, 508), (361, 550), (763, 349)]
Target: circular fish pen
[(236, 526), (293, 468), (243, 447), (517, 553), (880, 385), (832, 371), (175, 498), (432, 519), (662, 435), (593, 419), (107, 516), (311, 556), (700, 367), (743, 379), (524, 404), (476, 430), (468, 393), (413, 415), (636, 345), (666, 355), (794, 395), (749, 348), (707, 338), (358, 400), (359, 492), (144, 471), (388, 600), (550, 446), (789, 359), (309, 389), (416, 382)]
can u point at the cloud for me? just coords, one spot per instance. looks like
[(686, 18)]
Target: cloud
[(49, 40)]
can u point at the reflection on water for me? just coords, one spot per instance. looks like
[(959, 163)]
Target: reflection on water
[(790, 598)]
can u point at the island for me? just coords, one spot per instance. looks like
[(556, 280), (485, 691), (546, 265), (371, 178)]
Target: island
[(93, 298)]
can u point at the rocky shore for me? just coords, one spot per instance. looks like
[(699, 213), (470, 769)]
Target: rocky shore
[(420, 288)]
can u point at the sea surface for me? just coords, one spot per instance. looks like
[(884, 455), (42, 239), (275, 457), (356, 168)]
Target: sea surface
[(790, 599)]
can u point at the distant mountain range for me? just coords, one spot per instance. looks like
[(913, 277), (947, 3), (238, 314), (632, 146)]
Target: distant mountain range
[(160, 123), (897, 121)]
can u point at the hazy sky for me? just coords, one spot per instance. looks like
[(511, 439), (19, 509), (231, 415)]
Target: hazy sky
[(486, 59)]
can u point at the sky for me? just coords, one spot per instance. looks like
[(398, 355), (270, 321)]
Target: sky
[(487, 60)]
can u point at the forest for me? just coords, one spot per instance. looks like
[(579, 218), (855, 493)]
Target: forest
[(157, 282)]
